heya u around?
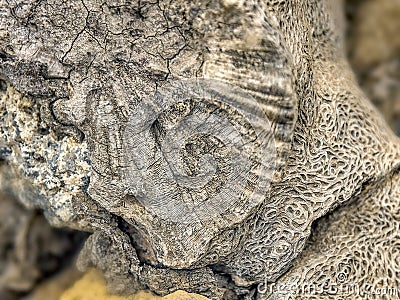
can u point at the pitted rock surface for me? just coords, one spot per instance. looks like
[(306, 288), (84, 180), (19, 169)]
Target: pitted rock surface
[(78, 74)]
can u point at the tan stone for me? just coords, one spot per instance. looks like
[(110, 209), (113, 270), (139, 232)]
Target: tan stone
[(92, 286)]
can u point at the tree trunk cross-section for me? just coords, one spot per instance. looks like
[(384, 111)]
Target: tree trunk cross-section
[(198, 141)]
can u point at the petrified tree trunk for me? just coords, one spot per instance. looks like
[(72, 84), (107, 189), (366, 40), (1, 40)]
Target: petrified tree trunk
[(197, 141)]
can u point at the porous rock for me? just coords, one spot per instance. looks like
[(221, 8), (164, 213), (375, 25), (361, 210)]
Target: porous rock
[(100, 76)]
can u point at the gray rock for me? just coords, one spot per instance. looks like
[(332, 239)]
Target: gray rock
[(211, 184)]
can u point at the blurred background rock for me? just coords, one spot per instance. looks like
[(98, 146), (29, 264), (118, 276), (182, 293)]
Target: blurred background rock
[(32, 251), (373, 45)]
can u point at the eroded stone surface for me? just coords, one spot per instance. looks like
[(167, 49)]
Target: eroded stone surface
[(87, 68)]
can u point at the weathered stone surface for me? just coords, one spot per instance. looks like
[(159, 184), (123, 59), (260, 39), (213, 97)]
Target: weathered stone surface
[(104, 96)]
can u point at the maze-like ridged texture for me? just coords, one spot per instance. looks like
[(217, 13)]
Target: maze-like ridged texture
[(353, 253)]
